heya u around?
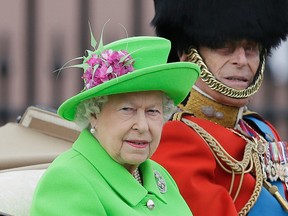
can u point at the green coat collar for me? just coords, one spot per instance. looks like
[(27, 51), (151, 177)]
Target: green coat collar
[(115, 174)]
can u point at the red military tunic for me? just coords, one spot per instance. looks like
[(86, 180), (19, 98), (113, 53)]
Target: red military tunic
[(203, 183)]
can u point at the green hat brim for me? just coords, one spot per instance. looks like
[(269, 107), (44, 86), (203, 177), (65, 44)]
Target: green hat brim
[(174, 79)]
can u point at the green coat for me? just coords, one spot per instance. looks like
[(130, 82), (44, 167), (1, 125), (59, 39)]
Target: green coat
[(85, 180)]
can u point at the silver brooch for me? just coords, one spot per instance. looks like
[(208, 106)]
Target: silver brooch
[(161, 183)]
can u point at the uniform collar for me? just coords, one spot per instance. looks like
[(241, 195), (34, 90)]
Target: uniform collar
[(203, 106), (115, 174)]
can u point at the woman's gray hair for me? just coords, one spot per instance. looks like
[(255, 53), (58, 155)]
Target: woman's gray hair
[(94, 106), (168, 107), (88, 107)]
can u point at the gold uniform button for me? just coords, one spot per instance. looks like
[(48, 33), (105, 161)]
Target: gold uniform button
[(150, 204)]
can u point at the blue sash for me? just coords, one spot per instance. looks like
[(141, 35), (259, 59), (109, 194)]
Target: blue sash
[(262, 126), (266, 203)]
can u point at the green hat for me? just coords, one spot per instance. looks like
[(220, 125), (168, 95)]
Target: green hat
[(132, 65)]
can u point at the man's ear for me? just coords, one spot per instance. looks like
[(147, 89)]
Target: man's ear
[(183, 57)]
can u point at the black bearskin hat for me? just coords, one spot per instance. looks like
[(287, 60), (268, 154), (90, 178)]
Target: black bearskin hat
[(190, 23)]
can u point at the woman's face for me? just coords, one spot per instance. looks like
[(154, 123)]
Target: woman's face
[(235, 65), (129, 126)]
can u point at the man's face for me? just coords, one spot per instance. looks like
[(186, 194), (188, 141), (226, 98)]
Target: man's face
[(235, 65)]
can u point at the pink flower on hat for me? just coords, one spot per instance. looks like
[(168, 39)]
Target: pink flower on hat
[(105, 66), (102, 65)]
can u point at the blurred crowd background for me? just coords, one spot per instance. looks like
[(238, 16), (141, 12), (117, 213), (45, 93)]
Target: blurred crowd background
[(39, 36)]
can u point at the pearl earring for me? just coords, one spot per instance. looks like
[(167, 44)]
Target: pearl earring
[(92, 130)]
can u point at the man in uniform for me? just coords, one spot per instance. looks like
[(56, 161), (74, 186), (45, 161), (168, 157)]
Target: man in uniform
[(225, 159)]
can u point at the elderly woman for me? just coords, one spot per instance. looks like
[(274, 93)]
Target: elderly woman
[(129, 93)]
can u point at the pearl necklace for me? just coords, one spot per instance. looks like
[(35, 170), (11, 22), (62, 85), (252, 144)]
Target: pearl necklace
[(136, 175)]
